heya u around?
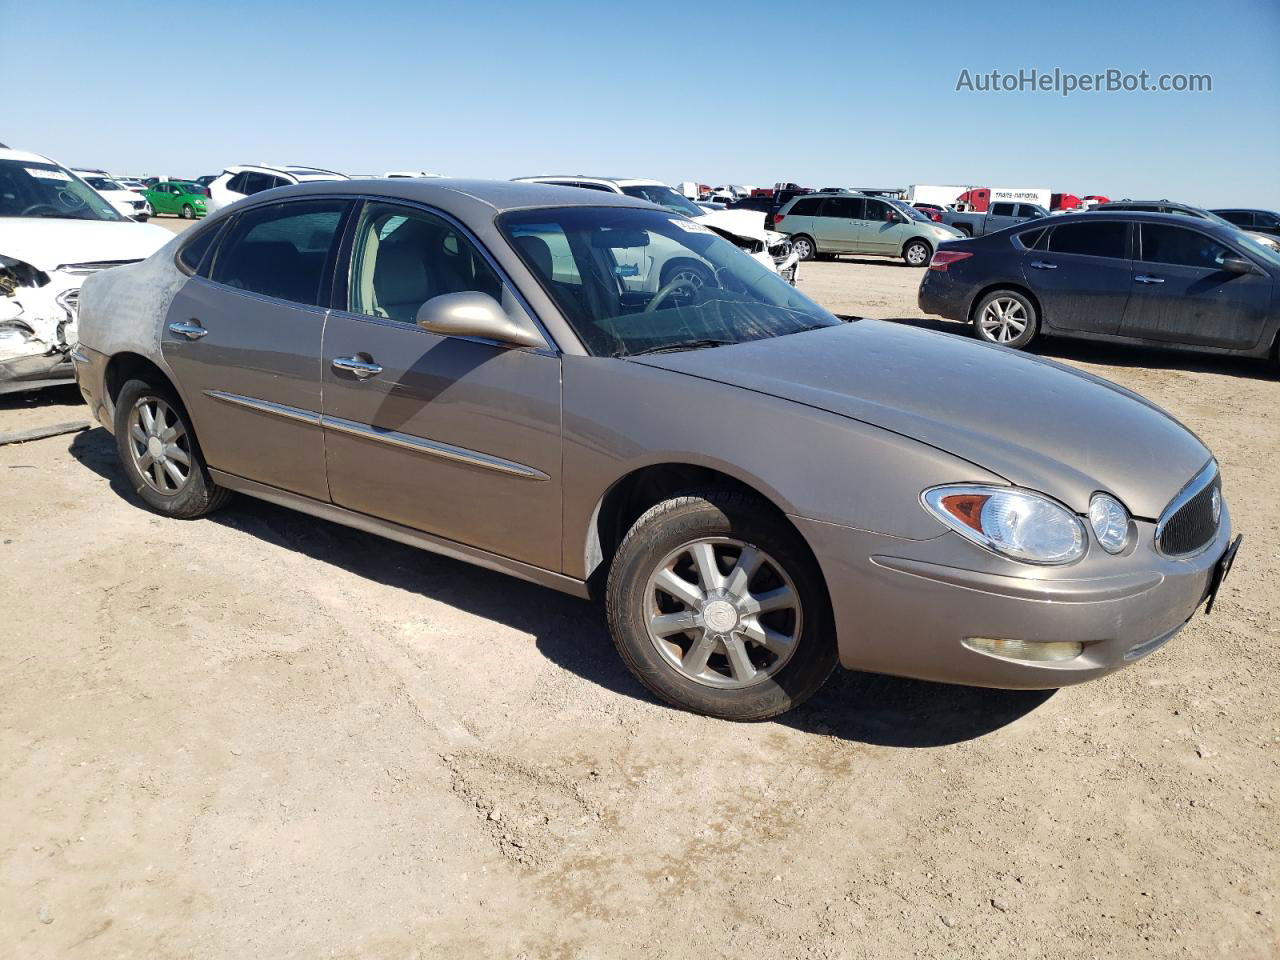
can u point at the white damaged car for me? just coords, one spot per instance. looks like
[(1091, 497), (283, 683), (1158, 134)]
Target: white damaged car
[(55, 230), (743, 228)]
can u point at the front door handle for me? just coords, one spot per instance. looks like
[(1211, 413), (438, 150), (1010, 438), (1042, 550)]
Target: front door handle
[(1041, 265), (363, 369), (1143, 278), (191, 329)]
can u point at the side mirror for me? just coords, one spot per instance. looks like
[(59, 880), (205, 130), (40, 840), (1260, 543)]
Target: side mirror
[(474, 314), (1238, 266)]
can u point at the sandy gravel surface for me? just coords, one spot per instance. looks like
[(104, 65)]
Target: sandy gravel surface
[(262, 735)]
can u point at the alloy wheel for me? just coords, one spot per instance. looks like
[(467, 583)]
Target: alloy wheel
[(723, 613), (917, 254), (1003, 320), (159, 445)]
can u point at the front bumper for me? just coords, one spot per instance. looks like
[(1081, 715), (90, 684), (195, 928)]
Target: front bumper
[(903, 607)]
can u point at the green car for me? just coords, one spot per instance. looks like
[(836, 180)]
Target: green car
[(187, 200)]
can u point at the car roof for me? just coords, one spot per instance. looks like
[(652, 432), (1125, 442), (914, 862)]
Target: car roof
[(1141, 216), (24, 157), (464, 196), (292, 169), (616, 181)]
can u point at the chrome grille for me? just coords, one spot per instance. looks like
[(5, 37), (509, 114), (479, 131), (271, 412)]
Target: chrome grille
[(1191, 520)]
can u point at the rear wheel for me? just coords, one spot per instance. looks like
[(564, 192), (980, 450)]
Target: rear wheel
[(1006, 317), (716, 606), (160, 455), (804, 247), (917, 253)]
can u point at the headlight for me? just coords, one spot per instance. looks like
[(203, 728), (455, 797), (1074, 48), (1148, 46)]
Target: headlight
[(1110, 522), (1018, 524)]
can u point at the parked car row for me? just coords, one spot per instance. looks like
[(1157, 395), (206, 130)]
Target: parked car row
[(653, 442)]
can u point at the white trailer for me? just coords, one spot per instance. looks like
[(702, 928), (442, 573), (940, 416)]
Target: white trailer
[(942, 194)]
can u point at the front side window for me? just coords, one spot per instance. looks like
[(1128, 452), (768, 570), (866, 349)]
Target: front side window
[(280, 250), (846, 208), (632, 281), (1030, 211), (1162, 243), (1002, 209), (879, 211), (29, 189), (403, 257), (1090, 239)]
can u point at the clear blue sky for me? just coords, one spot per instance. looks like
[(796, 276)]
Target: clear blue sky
[(742, 92)]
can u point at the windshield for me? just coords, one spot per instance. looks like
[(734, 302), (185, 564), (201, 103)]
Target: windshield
[(664, 196), (102, 183), (46, 190), (633, 281), (909, 210)]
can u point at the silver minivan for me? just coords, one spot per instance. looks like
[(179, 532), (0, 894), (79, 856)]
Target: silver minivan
[(829, 224)]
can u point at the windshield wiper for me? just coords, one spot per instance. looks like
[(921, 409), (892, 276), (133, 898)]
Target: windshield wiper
[(680, 345)]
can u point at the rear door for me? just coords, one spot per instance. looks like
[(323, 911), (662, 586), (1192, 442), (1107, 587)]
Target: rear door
[(1181, 293), (453, 436), (1082, 275), (245, 344)]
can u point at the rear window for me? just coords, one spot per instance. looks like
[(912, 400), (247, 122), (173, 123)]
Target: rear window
[(1090, 239), (280, 250)]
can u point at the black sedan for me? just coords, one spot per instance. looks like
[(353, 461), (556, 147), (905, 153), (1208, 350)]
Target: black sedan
[(1151, 278), (1249, 218)]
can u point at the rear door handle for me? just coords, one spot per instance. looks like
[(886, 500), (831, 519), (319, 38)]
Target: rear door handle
[(191, 329), (1143, 278), (1041, 265), (363, 369)]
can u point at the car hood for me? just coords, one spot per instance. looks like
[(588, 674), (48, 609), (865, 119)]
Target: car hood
[(47, 243), (744, 223), (1034, 422)]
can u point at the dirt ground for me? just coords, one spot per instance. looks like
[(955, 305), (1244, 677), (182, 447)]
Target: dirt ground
[(265, 735)]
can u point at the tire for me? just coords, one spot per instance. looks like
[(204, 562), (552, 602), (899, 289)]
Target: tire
[(964, 228), (700, 275), (917, 253), (1007, 318), (146, 452), (187, 212), (720, 674), (804, 246)]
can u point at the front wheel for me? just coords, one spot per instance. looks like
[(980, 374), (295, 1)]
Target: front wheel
[(716, 605), (187, 211), (804, 247), (160, 455), (1006, 317), (917, 253)]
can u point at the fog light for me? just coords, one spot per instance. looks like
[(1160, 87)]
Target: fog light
[(1025, 649)]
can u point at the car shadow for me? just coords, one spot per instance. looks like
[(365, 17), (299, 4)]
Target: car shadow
[(570, 632), (1114, 354), (887, 260), (62, 395)]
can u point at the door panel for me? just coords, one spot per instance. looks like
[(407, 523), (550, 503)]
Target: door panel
[(455, 437), (1082, 276), (877, 233), (1182, 295), (835, 234), (251, 383)]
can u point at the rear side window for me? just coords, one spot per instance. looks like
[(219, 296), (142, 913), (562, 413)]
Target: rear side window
[(1090, 239), (846, 208), (195, 251), (1181, 247), (1029, 238), (806, 208), (239, 183), (281, 250)]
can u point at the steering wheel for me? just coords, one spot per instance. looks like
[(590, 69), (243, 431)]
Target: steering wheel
[(671, 286), (39, 206)]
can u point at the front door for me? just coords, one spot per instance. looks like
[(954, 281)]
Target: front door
[(1182, 294), (453, 436), (1081, 274), (883, 229), (245, 344)]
